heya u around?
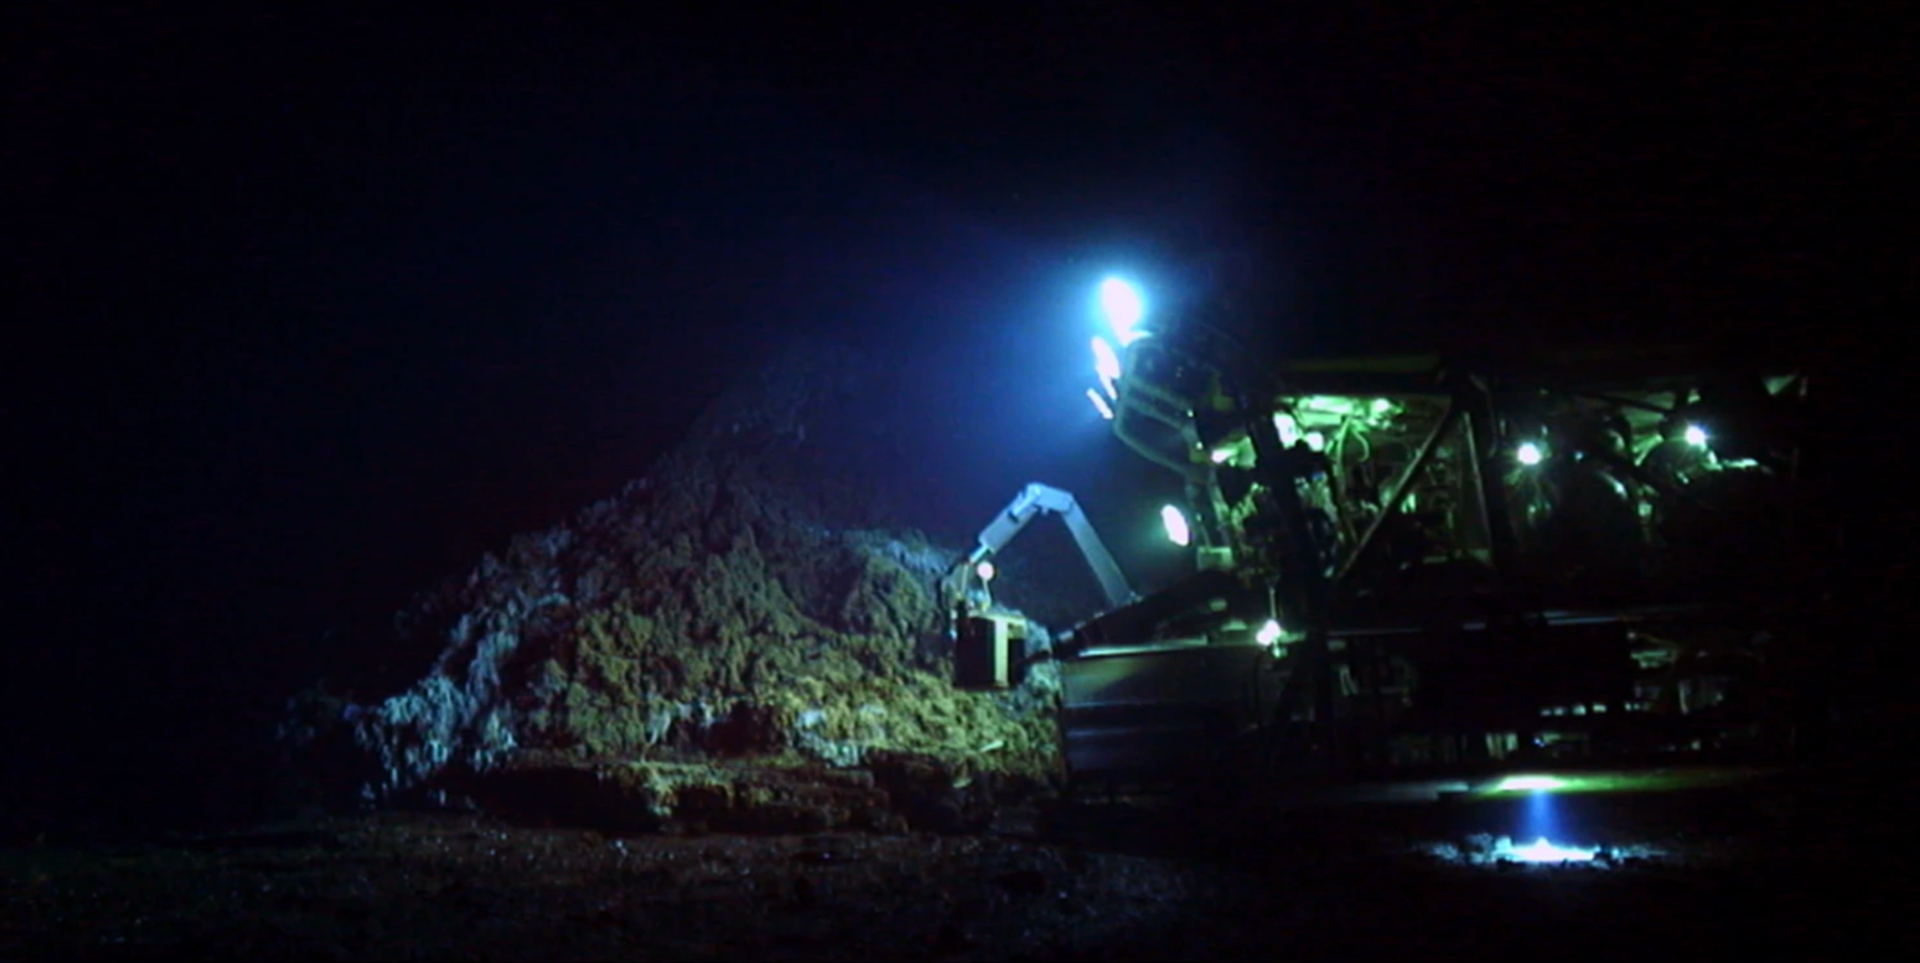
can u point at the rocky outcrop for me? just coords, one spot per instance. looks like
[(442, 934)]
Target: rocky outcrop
[(741, 604)]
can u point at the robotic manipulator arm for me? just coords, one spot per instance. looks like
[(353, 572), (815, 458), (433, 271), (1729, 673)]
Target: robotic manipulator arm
[(991, 644), (967, 585)]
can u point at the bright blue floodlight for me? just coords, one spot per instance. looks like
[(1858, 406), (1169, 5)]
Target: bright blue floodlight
[(1106, 363), (1100, 404), (1123, 309), (1176, 524)]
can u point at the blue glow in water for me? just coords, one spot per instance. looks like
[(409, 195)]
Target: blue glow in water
[(1538, 817), (1123, 309)]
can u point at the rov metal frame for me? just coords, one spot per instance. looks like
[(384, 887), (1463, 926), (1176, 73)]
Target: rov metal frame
[(1175, 406)]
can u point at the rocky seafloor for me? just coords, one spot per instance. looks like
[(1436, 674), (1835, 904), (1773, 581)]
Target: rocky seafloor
[(1759, 872), (743, 638), (708, 719)]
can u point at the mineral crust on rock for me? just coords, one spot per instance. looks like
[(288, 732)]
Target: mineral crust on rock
[(743, 603)]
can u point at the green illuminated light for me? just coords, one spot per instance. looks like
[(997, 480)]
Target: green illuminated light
[(1530, 784), (1288, 428), (1331, 404), (1529, 454), (1222, 455), (1316, 441), (1696, 436), (1621, 781)]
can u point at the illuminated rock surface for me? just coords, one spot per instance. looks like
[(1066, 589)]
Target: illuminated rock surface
[(739, 606)]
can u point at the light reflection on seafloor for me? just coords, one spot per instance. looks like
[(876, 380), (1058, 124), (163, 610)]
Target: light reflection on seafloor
[(1540, 815), (1493, 851), (1541, 851)]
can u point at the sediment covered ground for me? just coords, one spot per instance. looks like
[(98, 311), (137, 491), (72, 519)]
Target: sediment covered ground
[(1752, 873)]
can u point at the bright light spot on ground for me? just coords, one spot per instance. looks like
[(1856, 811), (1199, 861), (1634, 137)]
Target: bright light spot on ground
[(1100, 404), (1696, 436), (984, 570), (1528, 453), (1176, 523), (1121, 304), (1530, 784), (1222, 455), (1541, 851), (1269, 633)]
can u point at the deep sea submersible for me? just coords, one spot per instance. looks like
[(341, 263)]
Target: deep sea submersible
[(1410, 562)]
